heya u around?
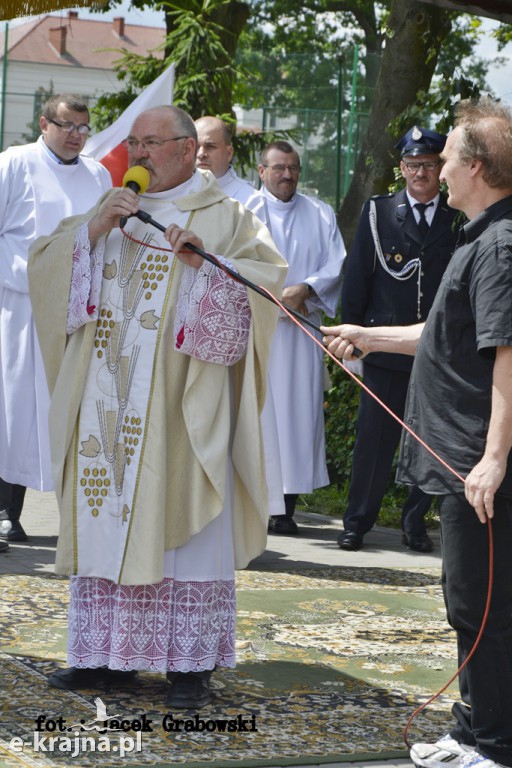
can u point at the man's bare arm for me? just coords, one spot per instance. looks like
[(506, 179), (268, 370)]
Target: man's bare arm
[(342, 340)]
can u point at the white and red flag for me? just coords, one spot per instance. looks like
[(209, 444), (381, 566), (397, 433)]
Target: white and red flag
[(106, 146)]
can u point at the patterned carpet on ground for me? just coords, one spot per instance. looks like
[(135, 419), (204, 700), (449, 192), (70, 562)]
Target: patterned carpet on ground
[(331, 663)]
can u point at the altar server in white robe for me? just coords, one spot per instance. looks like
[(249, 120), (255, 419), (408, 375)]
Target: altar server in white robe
[(215, 153), (40, 184), (157, 364), (307, 235)]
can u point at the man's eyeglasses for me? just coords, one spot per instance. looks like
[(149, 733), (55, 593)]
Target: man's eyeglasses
[(428, 165), (282, 168), (148, 145), (83, 129)]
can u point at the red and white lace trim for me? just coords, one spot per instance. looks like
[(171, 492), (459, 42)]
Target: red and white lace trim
[(213, 315), (169, 626)]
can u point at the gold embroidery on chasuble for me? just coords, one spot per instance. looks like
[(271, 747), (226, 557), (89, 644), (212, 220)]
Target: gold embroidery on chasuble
[(115, 407)]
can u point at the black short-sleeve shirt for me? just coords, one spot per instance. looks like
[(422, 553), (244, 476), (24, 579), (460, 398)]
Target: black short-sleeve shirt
[(449, 401)]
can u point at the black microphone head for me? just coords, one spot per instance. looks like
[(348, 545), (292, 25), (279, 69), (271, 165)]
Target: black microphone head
[(137, 178)]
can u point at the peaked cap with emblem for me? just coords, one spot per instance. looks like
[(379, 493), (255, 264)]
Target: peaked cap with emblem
[(420, 141)]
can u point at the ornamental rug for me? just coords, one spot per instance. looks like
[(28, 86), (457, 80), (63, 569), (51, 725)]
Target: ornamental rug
[(331, 663)]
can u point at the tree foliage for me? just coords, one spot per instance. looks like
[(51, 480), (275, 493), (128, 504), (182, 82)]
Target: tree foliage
[(417, 60)]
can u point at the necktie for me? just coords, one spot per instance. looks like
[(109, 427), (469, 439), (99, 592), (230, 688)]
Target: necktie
[(423, 223)]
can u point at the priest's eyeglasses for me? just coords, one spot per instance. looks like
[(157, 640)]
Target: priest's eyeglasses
[(428, 165), (148, 145), (83, 129), (282, 168)]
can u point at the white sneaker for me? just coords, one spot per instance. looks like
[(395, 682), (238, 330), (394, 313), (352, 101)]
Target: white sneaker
[(474, 759), (445, 752)]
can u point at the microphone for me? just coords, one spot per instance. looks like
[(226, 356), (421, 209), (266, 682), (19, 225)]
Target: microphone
[(137, 179)]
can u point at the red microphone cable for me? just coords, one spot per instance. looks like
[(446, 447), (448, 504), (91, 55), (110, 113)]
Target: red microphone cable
[(299, 319)]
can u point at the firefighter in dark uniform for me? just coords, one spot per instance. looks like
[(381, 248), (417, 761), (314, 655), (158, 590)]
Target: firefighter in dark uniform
[(402, 246)]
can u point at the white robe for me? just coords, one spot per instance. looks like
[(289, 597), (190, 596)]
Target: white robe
[(36, 192), (306, 234), (242, 190), (235, 187)]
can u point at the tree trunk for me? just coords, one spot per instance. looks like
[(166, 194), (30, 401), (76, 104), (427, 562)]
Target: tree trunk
[(416, 33)]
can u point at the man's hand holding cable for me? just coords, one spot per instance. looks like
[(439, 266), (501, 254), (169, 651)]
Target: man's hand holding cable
[(482, 483), (178, 238), (486, 477), (341, 340)]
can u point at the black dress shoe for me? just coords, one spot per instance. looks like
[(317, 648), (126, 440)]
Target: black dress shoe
[(74, 678), (283, 525), (190, 690), (350, 541), (4, 547), (419, 542)]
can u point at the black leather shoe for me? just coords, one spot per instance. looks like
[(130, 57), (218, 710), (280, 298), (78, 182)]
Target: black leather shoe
[(190, 690), (285, 526), (350, 541), (4, 547), (16, 533), (74, 678), (419, 543)]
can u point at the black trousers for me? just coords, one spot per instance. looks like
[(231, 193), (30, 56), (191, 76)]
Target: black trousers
[(484, 716), (11, 499), (377, 438)]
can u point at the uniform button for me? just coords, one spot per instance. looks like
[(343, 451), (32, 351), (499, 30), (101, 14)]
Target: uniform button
[(423, 274), (421, 295), (422, 253)]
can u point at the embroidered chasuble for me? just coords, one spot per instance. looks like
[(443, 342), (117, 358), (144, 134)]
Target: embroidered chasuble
[(141, 431)]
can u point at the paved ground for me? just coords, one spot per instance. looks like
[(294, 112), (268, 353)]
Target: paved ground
[(315, 548)]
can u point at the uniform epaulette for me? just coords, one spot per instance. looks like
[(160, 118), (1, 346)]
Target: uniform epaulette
[(379, 197)]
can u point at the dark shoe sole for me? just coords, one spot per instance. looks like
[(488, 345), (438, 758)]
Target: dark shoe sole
[(350, 545), (284, 527), (19, 537), (423, 545), (74, 679), (190, 690)]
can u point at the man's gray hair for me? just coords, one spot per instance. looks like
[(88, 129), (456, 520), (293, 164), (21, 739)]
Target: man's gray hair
[(486, 135)]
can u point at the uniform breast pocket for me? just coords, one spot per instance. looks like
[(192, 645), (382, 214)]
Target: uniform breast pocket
[(396, 253)]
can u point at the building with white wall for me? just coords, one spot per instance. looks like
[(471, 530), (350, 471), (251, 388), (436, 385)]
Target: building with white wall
[(63, 54)]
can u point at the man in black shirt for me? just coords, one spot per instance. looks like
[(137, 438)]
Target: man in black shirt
[(460, 403)]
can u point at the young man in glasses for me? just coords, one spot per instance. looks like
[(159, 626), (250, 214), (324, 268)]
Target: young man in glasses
[(402, 247), (306, 233), (40, 184)]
